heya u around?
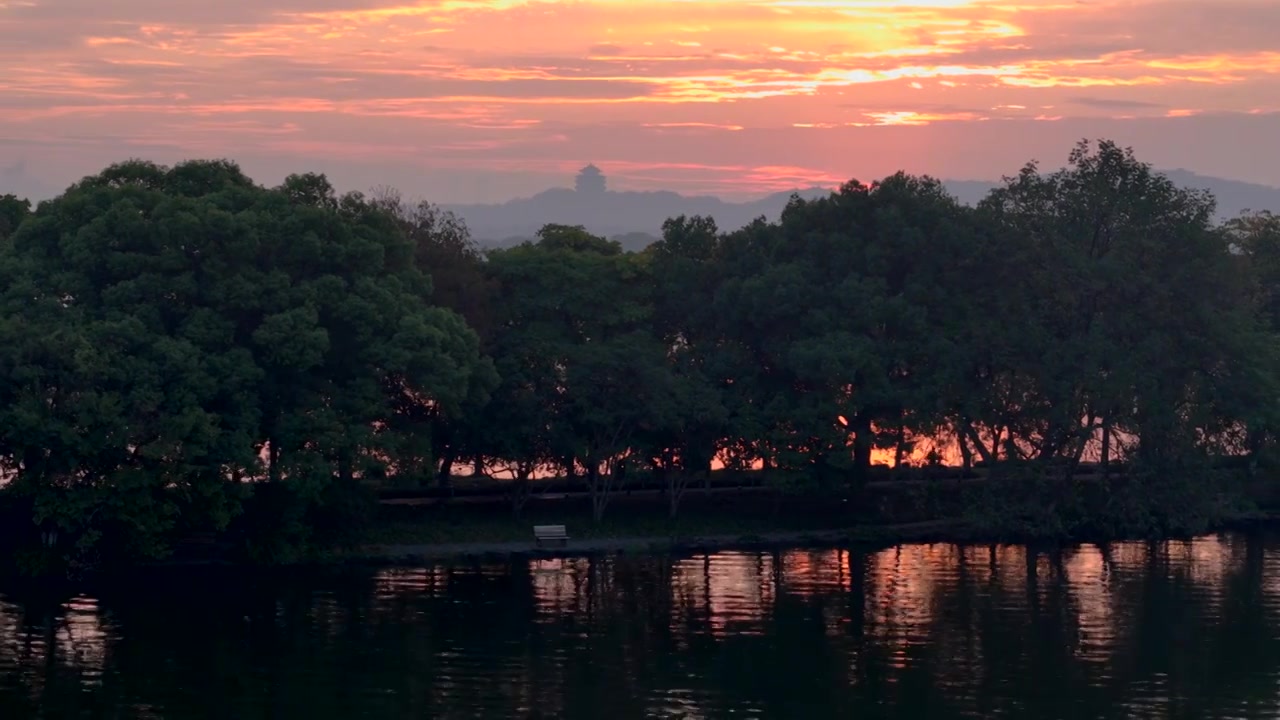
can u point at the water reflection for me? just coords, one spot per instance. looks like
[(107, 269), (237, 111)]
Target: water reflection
[(1177, 630), (730, 592)]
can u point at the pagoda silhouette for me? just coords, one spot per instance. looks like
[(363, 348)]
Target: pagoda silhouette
[(590, 181)]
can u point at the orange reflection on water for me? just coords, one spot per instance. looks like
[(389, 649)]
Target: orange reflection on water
[(814, 573), (1091, 590), (1206, 561), (733, 591), (82, 639), (900, 596), (811, 572), (992, 566), (433, 581), (558, 584)]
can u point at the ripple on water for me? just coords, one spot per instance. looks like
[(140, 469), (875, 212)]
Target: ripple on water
[(1177, 629), (728, 592)]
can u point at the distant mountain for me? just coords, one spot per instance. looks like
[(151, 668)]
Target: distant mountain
[(1234, 196), (630, 242), (635, 218), (14, 179), (623, 216)]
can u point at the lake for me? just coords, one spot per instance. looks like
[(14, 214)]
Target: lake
[(1131, 630)]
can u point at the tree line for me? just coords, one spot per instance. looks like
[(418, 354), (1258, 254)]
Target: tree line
[(185, 350)]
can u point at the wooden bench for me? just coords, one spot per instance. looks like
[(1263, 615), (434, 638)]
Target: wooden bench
[(550, 534)]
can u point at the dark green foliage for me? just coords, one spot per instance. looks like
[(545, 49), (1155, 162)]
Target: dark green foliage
[(169, 334), (284, 523), (580, 365), (13, 211), (183, 351), (1136, 505)]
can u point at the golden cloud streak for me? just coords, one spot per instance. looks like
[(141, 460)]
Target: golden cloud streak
[(482, 76)]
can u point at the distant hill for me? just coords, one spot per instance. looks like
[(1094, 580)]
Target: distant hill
[(1234, 196), (628, 217), (16, 180), (635, 218)]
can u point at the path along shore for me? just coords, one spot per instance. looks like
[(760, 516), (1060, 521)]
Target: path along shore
[(939, 531), (942, 530)]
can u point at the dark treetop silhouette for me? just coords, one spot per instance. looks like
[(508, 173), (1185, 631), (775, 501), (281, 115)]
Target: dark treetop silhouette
[(187, 352)]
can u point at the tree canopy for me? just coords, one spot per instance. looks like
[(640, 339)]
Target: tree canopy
[(177, 341), (169, 333)]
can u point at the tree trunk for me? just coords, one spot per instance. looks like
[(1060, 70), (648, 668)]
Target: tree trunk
[(967, 429), (520, 491), (662, 474), (862, 446), (599, 495), (273, 461), (675, 491), (901, 447), (1078, 456), (444, 478), (966, 454), (1106, 449), (1255, 441)]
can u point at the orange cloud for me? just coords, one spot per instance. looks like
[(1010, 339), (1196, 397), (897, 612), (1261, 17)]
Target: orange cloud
[(456, 74)]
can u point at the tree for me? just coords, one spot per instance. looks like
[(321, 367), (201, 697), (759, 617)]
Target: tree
[(124, 402), (1254, 240), (1132, 309), (574, 332), (427, 432), (837, 308), (13, 210), (683, 267), (167, 327)]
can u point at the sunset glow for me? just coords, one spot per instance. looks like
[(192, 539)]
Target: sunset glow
[(731, 96)]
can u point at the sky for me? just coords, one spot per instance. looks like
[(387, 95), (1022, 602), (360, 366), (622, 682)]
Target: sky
[(484, 100)]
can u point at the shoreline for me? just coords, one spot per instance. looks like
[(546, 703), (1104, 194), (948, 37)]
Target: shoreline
[(867, 536), (408, 553), (415, 539)]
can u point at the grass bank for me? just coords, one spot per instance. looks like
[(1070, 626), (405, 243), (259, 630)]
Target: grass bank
[(721, 514), (1024, 510)]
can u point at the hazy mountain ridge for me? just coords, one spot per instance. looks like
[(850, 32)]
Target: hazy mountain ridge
[(620, 215), (635, 218)]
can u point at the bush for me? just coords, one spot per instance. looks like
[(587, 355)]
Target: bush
[(343, 514), (284, 523), (1136, 505)]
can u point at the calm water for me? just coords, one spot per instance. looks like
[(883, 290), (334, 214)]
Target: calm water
[(1171, 630)]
